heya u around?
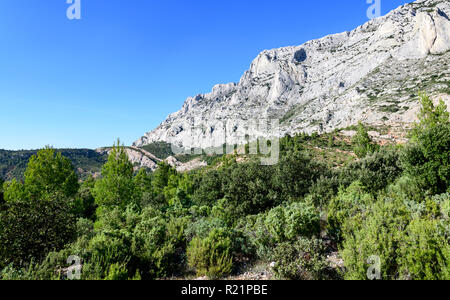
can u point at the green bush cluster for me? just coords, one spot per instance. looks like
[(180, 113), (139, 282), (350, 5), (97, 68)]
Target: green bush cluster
[(302, 259), (211, 256)]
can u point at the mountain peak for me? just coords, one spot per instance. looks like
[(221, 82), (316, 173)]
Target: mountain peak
[(369, 74)]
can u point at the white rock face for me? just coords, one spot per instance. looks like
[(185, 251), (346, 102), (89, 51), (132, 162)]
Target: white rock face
[(371, 74), (138, 157)]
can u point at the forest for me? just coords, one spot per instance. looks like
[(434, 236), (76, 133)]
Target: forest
[(391, 202)]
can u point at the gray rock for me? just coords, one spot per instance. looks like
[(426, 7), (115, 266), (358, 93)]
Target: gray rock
[(371, 74)]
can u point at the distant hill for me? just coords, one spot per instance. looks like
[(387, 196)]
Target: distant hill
[(89, 162), (86, 162), (161, 150)]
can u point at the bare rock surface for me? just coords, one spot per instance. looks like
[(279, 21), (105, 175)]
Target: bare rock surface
[(371, 74)]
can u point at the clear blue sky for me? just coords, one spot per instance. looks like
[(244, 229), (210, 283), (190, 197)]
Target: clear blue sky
[(127, 64)]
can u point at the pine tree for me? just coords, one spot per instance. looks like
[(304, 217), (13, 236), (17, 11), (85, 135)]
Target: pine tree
[(116, 187), (362, 143)]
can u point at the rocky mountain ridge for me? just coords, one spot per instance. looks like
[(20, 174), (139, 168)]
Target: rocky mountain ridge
[(371, 74)]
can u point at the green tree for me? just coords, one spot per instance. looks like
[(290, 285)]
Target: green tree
[(38, 215), (1, 192), (85, 206), (209, 189), (295, 174), (429, 115), (248, 188), (375, 171), (144, 189), (362, 143), (427, 159), (351, 202), (116, 187), (427, 156), (162, 175), (48, 172)]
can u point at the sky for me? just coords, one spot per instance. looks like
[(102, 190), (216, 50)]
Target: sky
[(122, 68)]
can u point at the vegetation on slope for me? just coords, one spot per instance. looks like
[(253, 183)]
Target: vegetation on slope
[(392, 202)]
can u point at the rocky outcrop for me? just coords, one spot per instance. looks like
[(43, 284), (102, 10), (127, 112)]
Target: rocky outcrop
[(138, 157), (371, 74), (141, 158), (194, 164)]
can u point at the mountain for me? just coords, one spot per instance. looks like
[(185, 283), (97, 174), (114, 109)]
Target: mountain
[(371, 74)]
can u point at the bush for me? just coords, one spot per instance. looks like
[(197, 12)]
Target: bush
[(377, 233), (84, 205), (281, 224), (31, 228), (362, 143), (323, 190), (211, 256), (209, 189), (376, 171), (295, 174), (248, 189), (302, 259), (428, 159), (349, 203), (424, 254), (297, 219), (117, 272)]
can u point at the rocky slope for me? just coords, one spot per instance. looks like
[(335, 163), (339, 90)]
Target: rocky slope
[(138, 157), (141, 158), (371, 74)]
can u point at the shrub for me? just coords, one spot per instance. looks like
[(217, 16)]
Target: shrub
[(302, 219), (275, 222), (407, 189), (302, 259), (84, 205), (31, 228), (378, 233), (350, 202), (211, 256), (424, 253), (323, 190), (117, 272), (376, 171), (295, 174), (428, 159), (297, 219), (202, 227), (209, 189), (248, 189), (362, 143)]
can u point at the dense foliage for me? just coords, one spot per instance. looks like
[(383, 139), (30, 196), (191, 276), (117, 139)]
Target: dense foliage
[(392, 202)]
